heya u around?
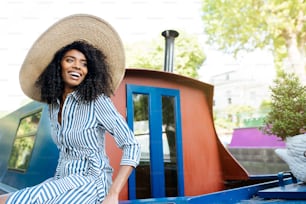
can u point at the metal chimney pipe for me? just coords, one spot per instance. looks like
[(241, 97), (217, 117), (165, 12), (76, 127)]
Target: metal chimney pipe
[(169, 35)]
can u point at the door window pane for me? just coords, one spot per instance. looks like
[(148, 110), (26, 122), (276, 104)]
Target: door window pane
[(169, 145), (142, 134)]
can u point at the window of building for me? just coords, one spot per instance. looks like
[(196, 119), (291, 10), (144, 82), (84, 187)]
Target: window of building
[(229, 101)]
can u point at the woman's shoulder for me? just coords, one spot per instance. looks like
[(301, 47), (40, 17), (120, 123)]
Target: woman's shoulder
[(103, 100), (103, 97)]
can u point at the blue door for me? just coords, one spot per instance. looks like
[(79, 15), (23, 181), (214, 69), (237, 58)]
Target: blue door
[(154, 115)]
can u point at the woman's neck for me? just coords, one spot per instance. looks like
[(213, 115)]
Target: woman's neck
[(67, 91)]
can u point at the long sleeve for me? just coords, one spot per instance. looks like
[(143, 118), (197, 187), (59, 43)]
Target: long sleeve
[(116, 125)]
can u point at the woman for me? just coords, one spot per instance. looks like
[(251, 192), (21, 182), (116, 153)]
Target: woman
[(77, 84)]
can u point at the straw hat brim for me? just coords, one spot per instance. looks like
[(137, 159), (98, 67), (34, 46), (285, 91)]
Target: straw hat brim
[(86, 27)]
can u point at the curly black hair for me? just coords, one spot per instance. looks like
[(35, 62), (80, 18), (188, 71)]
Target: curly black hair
[(97, 81)]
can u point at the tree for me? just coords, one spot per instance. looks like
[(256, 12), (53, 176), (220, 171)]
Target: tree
[(287, 116), (278, 25), (188, 55)]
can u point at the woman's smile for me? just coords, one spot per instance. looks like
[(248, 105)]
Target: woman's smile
[(75, 75)]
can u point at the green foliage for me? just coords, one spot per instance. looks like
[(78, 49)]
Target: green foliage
[(277, 25), (144, 54), (232, 116), (234, 24), (141, 112), (188, 55), (288, 107)]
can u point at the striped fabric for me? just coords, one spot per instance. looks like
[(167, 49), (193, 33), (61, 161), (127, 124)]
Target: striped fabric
[(83, 174)]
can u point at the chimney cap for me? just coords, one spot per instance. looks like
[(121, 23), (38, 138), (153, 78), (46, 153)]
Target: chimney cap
[(170, 33)]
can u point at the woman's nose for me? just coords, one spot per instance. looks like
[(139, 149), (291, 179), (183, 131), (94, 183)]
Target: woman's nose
[(77, 65)]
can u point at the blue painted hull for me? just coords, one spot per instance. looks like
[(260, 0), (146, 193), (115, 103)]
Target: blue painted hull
[(283, 190)]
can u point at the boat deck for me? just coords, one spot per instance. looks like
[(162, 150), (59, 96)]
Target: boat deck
[(286, 189)]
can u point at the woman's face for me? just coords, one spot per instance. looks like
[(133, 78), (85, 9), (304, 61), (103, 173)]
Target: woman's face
[(74, 69)]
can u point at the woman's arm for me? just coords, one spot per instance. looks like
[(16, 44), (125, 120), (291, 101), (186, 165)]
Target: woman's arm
[(118, 183), (116, 125)]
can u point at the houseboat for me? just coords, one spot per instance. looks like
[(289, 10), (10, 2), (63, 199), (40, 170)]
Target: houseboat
[(182, 159)]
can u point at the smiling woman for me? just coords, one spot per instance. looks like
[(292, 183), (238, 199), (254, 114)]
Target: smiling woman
[(77, 82)]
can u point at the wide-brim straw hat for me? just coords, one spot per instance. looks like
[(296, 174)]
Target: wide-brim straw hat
[(92, 29)]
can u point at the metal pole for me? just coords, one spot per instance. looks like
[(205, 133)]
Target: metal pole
[(169, 35)]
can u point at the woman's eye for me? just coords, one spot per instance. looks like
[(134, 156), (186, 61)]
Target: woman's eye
[(69, 60)]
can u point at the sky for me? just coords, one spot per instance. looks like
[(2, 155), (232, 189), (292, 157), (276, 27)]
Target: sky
[(22, 22)]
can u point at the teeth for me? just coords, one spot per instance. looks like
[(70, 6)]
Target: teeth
[(75, 74)]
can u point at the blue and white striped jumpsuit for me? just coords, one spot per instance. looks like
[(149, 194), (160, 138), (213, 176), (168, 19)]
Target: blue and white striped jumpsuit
[(83, 174)]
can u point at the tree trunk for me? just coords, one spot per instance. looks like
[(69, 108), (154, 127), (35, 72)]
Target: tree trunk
[(296, 58)]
